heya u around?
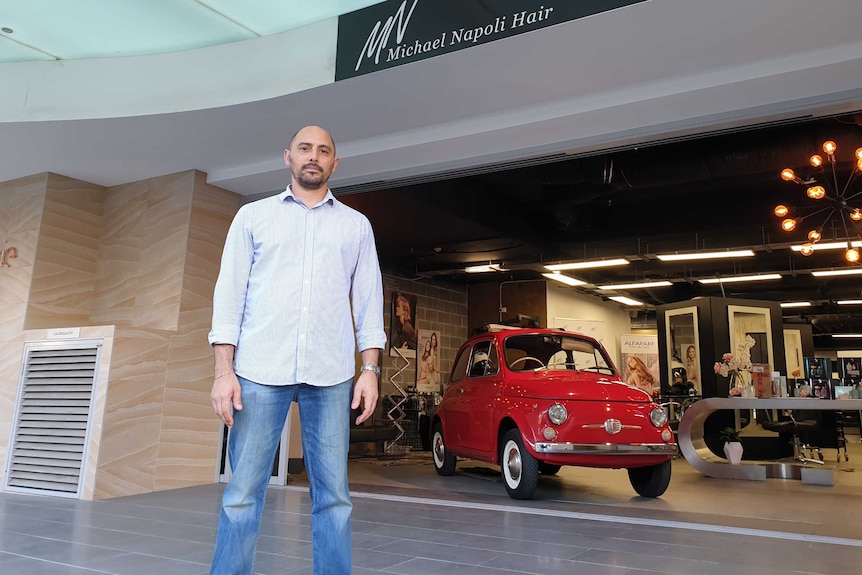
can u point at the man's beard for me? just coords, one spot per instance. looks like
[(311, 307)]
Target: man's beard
[(310, 180)]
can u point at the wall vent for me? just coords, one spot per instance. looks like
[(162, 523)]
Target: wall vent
[(52, 419)]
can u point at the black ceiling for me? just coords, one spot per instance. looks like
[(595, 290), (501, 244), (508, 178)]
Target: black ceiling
[(709, 193)]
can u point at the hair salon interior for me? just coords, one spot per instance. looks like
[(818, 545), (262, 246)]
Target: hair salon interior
[(679, 180)]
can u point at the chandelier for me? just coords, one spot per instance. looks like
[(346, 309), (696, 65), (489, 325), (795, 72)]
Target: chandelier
[(831, 200)]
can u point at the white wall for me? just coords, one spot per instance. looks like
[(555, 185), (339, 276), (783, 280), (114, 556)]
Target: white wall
[(564, 302)]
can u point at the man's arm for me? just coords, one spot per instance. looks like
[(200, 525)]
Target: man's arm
[(365, 390), (226, 390)]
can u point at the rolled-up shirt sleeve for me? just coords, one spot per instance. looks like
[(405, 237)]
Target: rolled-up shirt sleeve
[(367, 294), (231, 288)]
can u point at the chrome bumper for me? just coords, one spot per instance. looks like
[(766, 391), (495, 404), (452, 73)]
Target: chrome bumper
[(607, 448)]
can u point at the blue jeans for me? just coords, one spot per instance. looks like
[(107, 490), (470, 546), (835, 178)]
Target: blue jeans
[(324, 414)]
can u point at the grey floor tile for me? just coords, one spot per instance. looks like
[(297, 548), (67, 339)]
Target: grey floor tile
[(433, 567), (140, 564)]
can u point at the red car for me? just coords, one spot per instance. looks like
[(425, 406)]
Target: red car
[(533, 400)]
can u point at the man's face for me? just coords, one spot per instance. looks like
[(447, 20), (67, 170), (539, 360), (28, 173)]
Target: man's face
[(311, 158)]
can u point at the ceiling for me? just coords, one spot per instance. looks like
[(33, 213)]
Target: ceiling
[(545, 147), (115, 28)]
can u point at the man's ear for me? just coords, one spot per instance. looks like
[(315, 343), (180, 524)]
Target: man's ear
[(334, 165), (287, 157)]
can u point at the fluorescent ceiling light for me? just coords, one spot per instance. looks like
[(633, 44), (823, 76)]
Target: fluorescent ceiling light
[(625, 300), (829, 246), (844, 272), (483, 268), (588, 265), (564, 279), (732, 279), (796, 304), (705, 255), (849, 302), (847, 335), (646, 284)]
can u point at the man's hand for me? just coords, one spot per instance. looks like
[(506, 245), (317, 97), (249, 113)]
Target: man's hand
[(365, 392), (226, 391)]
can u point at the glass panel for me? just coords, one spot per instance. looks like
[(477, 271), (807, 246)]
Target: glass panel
[(683, 354), (754, 323), (555, 353)]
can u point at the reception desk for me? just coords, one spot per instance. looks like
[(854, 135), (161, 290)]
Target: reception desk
[(694, 449)]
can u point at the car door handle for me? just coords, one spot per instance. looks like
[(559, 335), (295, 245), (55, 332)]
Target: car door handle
[(460, 390)]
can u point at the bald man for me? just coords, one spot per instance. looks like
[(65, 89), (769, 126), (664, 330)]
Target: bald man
[(299, 291)]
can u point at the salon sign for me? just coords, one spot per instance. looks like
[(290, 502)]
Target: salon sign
[(397, 32)]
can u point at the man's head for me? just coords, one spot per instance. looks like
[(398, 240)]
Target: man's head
[(311, 158)]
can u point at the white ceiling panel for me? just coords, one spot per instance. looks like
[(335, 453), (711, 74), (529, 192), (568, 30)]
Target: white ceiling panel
[(273, 16), (14, 52), (64, 29)]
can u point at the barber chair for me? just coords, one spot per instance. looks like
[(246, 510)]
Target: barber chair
[(802, 426)]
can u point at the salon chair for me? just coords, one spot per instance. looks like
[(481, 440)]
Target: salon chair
[(802, 427)]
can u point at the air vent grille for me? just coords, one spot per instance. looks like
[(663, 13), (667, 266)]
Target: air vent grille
[(52, 419)]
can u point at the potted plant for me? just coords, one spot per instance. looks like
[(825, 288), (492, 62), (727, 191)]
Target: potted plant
[(732, 445)]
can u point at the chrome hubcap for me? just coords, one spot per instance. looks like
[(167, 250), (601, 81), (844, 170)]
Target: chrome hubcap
[(439, 449), (513, 464)]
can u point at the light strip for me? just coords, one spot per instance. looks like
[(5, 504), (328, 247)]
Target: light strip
[(636, 285), (482, 268), (732, 279), (849, 302), (705, 255), (847, 335), (564, 279), (588, 265), (845, 272), (625, 300), (829, 246), (796, 304)]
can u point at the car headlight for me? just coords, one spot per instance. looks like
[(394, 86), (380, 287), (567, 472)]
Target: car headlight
[(558, 414), (658, 416)]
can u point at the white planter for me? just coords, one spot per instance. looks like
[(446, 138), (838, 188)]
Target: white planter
[(733, 452)]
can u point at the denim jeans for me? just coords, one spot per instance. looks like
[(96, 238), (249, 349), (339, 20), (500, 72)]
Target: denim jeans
[(324, 414)]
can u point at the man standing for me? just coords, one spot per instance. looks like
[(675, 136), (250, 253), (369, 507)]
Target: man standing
[(299, 289)]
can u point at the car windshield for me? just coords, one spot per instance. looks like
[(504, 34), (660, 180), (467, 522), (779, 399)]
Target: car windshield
[(552, 352)]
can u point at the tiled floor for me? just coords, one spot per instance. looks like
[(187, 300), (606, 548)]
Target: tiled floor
[(409, 521)]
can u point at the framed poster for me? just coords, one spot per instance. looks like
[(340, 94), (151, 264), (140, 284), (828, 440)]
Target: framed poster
[(683, 358), (402, 325), (428, 362)]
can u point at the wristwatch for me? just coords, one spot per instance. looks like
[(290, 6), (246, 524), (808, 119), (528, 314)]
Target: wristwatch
[(371, 367)]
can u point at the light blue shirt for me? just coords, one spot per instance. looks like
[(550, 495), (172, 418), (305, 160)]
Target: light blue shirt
[(290, 278)]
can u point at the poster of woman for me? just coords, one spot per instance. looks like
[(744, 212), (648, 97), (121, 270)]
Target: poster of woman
[(402, 325), (428, 362), (639, 355)]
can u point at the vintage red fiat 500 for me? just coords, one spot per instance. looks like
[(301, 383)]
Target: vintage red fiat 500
[(533, 400)]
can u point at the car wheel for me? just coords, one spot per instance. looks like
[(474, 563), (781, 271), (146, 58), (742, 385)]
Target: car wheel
[(548, 469), (650, 481), (520, 469), (444, 462)]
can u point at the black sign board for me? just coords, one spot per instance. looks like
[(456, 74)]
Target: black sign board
[(401, 31)]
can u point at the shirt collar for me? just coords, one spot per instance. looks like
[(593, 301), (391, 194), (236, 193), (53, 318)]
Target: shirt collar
[(288, 193)]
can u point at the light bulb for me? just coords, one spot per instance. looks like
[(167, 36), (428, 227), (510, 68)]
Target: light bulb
[(829, 147), (816, 192), (856, 214), (806, 249), (814, 236), (788, 225), (851, 255), (859, 165), (816, 160), (788, 175), (781, 210), (859, 153)]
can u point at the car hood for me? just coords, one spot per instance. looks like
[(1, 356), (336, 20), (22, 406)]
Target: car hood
[(574, 386)]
